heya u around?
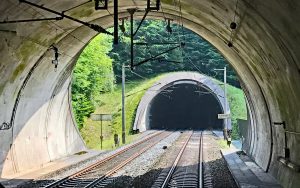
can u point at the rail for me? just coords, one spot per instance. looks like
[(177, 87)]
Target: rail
[(105, 160)]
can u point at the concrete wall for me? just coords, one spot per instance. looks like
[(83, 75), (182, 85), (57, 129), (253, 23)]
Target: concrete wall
[(265, 56)]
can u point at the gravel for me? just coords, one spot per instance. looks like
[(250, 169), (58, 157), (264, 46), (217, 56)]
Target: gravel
[(216, 172), (61, 173), (141, 172), (144, 170)]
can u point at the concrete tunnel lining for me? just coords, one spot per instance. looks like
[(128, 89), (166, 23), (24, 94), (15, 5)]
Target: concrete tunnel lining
[(142, 122), (69, 39), (266, 45)]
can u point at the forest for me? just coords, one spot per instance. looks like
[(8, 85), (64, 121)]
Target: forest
[(196, 55)]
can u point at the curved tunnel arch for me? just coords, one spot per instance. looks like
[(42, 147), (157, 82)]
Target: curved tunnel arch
[(265, 46), (142, 122)]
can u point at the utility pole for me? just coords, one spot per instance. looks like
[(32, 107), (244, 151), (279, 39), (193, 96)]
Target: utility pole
[(225, 99), (116, 22), (123, 104)]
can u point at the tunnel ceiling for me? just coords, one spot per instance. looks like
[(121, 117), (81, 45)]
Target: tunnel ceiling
[(265, 55), (185, 106)]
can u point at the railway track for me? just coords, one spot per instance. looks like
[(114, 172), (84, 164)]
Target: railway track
[(186, 170), (99, 175)]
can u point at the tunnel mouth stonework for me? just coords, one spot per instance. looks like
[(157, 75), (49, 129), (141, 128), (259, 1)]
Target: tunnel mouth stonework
[(185, 106)]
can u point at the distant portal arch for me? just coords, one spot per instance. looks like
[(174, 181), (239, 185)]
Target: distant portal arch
[(141, 122)]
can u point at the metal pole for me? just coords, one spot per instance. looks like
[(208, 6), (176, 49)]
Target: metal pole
[(116, 24), (131, 39), (123, 104), (101, 136), (225, 97), (225, 102)]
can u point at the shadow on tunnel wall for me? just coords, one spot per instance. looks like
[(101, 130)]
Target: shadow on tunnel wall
[(52, 134), (185, 106), (147, 179)]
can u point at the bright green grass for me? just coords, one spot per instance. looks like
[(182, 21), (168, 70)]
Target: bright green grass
[(238, 110), (111, 104), (223, 144)]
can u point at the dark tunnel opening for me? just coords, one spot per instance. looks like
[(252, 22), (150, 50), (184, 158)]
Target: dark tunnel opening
[(185, 106)]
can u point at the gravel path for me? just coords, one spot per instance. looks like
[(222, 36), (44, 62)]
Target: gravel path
[(216, 173)]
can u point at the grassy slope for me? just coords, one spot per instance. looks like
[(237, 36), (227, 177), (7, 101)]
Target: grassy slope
[(238, 109), (135, 91), (112, 104)]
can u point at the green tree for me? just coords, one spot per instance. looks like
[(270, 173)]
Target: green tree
[(93, 75)]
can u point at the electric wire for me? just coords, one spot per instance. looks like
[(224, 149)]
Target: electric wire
[(52, 22)]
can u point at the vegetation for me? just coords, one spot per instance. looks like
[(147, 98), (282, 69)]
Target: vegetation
[(91, 130), (135, 91), (196, 55), (93, 75), (238, 109), (97, 75)]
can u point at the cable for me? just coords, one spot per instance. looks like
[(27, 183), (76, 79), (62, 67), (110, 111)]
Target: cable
[(52, 22), (139, 75)]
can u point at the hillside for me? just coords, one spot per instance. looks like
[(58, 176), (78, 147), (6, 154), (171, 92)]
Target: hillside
[(134, 91)]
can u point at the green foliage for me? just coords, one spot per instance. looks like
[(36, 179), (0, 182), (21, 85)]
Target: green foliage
[(134, 92), (196, 55), (93, 75), (238, 109)]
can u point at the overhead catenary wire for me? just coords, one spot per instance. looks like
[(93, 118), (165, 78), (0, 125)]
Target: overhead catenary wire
[(48, 22), (51, 23)]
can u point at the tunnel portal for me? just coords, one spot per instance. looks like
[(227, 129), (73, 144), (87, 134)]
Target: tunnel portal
[(185, 106)]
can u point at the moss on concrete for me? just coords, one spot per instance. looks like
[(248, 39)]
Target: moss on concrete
[(170, 2), (25, 51), (84, 12), (2, 88), (18, 70)]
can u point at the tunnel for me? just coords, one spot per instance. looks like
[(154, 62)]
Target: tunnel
[(36, 120), (185, 107), (183, 100)]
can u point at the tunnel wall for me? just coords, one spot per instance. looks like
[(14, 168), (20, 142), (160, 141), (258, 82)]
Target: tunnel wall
[(43, 126), (141, 122), (265, 55)]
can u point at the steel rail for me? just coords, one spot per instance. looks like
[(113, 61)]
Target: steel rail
[(201, 162), (166, 181), (124, 163), (99, 163)]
